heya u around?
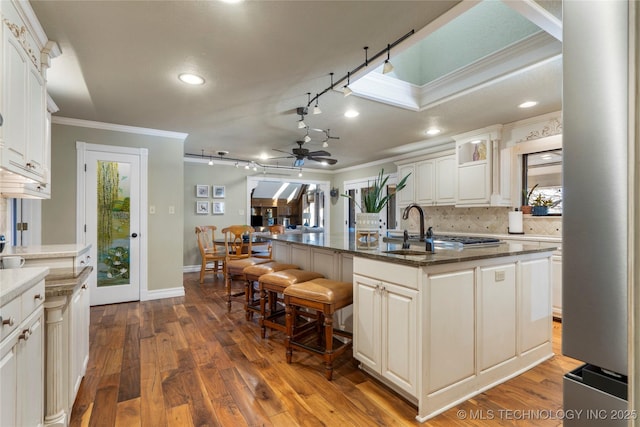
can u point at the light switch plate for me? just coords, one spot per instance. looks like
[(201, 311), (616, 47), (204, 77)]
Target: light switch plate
[(152, 209)]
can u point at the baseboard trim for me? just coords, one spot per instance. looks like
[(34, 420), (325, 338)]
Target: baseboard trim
[(191, 268), (163, 293)]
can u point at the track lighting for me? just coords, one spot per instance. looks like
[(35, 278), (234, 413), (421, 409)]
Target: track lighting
[(210, 161), (388, 67), (347, 90), (316, 109), (237, 162), (300, 173), (301, 123), (307, 138), (237, 165), (325, 144)]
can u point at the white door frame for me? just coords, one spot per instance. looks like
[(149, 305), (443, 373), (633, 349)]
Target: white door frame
[(81, 237), (358, 184)]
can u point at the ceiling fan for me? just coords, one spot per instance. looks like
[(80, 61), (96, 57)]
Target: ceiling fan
[(300, 154), (327, 134)]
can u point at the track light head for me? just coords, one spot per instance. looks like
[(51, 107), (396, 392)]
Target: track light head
[(301, 124), (387, 68), (346, 91), (316, 109), (325, 144)]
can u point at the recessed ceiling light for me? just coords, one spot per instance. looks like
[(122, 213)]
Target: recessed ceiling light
[(528, 104), (264, 156), (433, 131), (351, 113), (191, 79)]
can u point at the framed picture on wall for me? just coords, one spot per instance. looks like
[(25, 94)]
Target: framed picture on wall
[(218, 191), (218, 208), (202, 190), (202, 208)]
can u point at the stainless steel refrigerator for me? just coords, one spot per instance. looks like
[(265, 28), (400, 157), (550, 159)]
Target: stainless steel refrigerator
[(595, 210)]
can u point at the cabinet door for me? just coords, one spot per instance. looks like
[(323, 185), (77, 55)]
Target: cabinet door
[(9, 383), (366, 325), (556, 268), (79, 339), (497, 315), (399, 336), (445, 180), (424, 182), (31, 373), (36, 110), (535, 303), (15, 101), (407, 195), (450, 320), (473, 184)]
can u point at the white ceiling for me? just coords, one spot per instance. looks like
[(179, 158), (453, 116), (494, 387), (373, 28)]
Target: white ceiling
[(120, 61)]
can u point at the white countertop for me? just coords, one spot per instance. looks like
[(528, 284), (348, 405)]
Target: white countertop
[(14, 281), (46, 251)]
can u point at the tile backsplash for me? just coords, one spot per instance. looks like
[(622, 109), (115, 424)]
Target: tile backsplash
[(481, 220)]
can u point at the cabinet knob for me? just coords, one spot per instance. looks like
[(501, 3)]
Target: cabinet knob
[(84, 286), (82, 262), (10, 321), (38, 296), (25, 334)]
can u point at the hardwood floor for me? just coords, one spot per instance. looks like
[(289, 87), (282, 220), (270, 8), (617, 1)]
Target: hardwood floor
[(187, 362)]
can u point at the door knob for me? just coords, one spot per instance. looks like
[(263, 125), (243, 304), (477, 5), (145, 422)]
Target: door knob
[(134, 235)]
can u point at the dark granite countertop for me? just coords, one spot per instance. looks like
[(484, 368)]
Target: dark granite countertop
[(443, 255)]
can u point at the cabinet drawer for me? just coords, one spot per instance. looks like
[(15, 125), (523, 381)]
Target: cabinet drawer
[(393, 273), (10, 314), (32, 299)]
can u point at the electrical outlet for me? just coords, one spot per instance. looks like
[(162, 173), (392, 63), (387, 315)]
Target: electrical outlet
[(172, 210), (499, 277), (240, 212), (152, 209)]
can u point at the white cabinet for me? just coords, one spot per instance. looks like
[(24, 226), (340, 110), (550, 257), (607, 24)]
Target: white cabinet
[(79, 339), (432, 181), (483, 168), (450, 302), (556, 280), (22, 359), (407, 195), (385, 326), (23, 136)]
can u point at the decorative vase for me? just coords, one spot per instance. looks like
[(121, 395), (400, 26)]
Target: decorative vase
[(367, 230), (526, 209), (540, 210)]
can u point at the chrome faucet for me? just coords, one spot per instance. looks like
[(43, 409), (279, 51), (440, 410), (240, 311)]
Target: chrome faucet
[(405, 215)]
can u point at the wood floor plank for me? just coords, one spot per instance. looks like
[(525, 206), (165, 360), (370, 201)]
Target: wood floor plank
[(195, 363), (152, 406), (128, 413)]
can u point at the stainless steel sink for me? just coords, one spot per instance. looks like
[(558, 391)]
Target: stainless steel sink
[(411, 252)]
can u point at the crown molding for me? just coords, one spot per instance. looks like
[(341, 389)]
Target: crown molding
[(117, 128)]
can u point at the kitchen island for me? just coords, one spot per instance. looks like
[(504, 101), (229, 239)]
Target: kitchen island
[(438, 328)]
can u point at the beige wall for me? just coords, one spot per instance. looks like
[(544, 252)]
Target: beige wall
[(165, 189), (235, 182)]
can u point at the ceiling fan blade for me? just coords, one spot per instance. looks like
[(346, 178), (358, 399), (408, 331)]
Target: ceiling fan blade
[(323, 159), (320, 153), (280, 157), (281, 151)]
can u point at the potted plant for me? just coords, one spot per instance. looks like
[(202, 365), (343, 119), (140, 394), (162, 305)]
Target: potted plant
[(374, 200), (526, 200), (541, 206)]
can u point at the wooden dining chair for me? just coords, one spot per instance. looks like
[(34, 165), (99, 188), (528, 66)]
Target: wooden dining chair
[(209, 253), (238, 246)]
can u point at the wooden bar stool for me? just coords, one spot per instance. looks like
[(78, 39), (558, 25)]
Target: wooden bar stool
[(272, 284), (251, 274), (325, 297)]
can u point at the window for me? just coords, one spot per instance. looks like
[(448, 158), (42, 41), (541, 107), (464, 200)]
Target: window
[(542, 172)]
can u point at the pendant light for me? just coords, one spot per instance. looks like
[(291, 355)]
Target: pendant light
[(388, 66)]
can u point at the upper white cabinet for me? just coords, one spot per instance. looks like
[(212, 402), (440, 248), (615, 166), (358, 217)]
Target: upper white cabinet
[(432, 181), (24, 142), (483, 168)]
